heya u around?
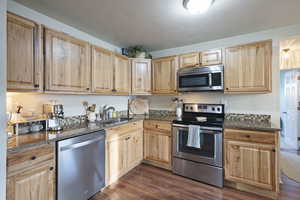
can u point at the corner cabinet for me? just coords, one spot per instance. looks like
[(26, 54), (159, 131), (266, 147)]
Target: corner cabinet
[(164, 75), (157, 143), (189, 59), (31, 174), (141, 76), (102, 71), (67, 63), (251, 159), (248, 68), (122, 75), (24, 55)]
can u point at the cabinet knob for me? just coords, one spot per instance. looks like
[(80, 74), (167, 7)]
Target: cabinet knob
[(87, 88), (113, 90), (248, 136), (51, 168), (274, 150), (36, 85), (156, 126), (227, 88), (33, 157)]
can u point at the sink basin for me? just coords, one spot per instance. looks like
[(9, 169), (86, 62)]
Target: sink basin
[(115, 120)]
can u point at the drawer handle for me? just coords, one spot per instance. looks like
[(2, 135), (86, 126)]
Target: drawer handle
[(33, 157), (156, 126), (248, 136), (51, 168)]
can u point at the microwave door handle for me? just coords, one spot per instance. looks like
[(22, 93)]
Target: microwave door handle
[(210, 80)]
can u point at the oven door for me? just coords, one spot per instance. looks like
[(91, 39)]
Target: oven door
[(211, 145)]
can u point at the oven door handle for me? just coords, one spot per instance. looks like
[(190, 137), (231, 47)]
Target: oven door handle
[(210, 80), (203, 128)]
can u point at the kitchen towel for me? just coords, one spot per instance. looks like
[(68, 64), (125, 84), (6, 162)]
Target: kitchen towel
[(194, 138)]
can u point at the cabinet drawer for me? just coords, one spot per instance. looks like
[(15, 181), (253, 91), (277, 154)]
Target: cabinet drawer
[(250, 136), (159, 126), (123, 129), (26, 159)]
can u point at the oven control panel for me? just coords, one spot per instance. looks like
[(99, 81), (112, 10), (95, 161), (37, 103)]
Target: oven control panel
[(204, 108)]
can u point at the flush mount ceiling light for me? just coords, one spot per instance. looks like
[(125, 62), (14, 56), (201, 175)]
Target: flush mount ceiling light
[(286, 53), (197, 6)]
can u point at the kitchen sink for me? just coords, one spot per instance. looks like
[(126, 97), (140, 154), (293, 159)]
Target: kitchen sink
[(115, 120)]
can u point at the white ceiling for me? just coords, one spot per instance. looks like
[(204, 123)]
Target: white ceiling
[(161, 24)]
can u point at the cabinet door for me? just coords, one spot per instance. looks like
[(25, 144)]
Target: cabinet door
[(189, 59), (157, 149), (212, 57), (248, 68), (24, 67), (102, 70), (116, 158), (122, 75), (250, 163), (135, 149), (164, 75), (35, 183), (67, 63), (141, 76)]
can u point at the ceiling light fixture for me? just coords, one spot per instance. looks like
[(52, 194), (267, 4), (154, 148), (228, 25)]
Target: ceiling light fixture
[(197, 6)]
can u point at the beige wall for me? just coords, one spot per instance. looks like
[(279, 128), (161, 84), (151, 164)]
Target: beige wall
[(2, 98)]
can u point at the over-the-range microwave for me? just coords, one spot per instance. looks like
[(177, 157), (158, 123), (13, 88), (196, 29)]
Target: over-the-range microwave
[(201, 78)]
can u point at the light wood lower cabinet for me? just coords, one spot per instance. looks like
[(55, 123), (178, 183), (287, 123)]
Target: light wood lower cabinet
[(31, 175), (157, 143), (124, 150), (251, 159), (24, 55)]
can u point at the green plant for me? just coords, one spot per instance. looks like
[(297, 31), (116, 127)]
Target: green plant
[(135, 50)]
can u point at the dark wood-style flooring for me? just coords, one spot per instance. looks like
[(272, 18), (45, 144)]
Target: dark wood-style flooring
[(150, 183)]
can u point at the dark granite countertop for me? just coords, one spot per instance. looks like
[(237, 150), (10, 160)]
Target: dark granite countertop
[(251, 125), (21, 142)]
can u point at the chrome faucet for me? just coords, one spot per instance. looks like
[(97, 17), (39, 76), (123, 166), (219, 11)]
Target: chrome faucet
[(106, 110)]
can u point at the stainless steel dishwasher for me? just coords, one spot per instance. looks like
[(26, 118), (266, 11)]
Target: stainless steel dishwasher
[(81, 166)]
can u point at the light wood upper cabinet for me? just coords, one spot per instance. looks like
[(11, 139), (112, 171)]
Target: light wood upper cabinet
[(212, 57), (122, 75), (24, 55), (141, 76), (250, 158), (248, 68), (67, 63), (157, 134), (189, 59), (102, 70), (164, 75)]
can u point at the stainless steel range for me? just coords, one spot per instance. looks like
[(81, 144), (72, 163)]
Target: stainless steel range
[(199, 155)]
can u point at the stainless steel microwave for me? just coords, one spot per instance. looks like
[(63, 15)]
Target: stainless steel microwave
[(201, 78)]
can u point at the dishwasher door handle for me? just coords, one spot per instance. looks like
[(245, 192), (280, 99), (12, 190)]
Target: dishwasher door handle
[(81, 144)]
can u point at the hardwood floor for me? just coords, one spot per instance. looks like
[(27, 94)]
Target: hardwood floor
[(150, 183)]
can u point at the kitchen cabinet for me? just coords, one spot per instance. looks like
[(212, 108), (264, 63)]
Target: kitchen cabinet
[(248, 68), (24, 55), (67, 63), (164, 75), (157, 143), (31, 174), (211, 57), (124, 149), (102, 70), (141, 76), (122, 75), (189, 59), (251, 158)]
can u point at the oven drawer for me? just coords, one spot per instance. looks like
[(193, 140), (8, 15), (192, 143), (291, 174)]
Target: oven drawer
[(158, 126), (250, 136)]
